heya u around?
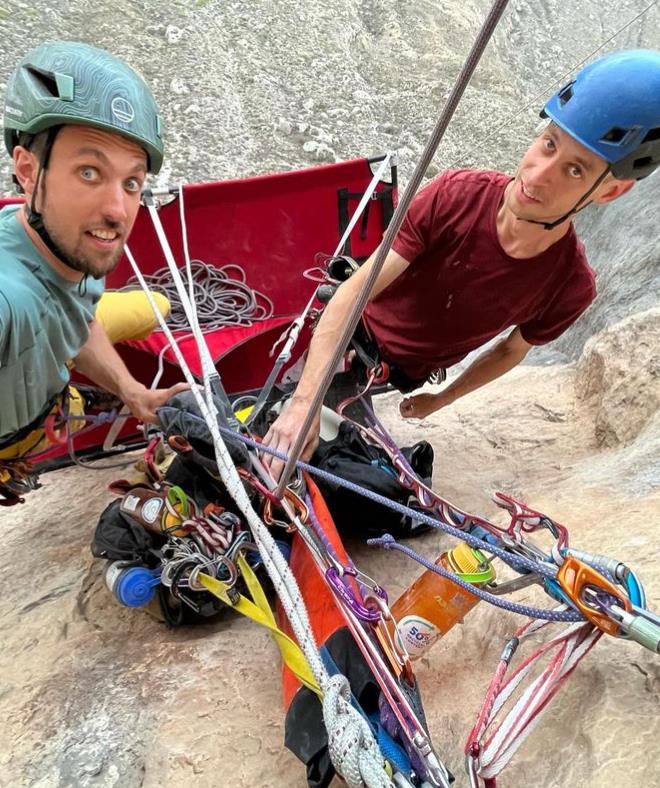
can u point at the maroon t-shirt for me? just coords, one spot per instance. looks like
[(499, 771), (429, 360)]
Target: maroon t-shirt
[(462, 289)]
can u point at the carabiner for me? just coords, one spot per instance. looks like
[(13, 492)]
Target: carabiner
[(472, 764), (576, 579), (56, 428), (300, 510)]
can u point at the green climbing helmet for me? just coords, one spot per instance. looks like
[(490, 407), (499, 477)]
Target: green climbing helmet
[(65, 82)]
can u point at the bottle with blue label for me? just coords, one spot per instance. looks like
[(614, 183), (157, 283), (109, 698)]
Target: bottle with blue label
[(431, 606), (133, 586)]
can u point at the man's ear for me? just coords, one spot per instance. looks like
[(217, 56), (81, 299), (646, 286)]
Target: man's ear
[(611, 190), (26, 169)]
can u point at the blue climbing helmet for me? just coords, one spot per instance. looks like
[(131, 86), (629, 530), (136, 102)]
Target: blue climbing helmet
[(612, 107)]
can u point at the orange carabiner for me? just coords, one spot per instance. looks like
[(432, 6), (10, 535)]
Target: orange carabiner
[(298, 505), (575, 577), (56, 436)]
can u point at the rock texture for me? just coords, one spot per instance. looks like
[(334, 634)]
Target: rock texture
[(98, 696), (622, 245), (248, 87), (623, 401)]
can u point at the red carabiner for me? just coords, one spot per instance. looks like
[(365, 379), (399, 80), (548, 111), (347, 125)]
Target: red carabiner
[(380, 373), (57, 436)]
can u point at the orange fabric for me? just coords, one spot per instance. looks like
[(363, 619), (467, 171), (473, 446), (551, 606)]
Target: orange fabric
[(324, 614)]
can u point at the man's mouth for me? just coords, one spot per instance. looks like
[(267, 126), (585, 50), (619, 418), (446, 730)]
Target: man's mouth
[(527, 193), (104, 236)]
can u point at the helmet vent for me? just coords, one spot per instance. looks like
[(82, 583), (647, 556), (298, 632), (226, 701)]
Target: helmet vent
[(615, 135), (46, 80), (566, 94), (642, 163), (652, 136)]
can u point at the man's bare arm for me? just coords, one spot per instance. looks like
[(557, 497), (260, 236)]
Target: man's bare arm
[(284, 431), (99, 361), (494, 362)]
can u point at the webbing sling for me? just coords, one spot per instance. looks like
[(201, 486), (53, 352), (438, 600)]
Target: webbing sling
[(259, 610)]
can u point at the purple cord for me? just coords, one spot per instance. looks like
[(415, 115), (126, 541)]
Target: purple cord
[(519, 563)]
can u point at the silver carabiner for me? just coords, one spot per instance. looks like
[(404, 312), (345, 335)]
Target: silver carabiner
[(471, 767)]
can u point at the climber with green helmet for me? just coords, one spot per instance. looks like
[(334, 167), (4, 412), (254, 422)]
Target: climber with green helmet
[(83, 130), (482, 252)]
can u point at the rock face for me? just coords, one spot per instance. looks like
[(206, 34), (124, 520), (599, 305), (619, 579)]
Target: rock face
[(98, 696), (619, 378), (253, 87), (623, 247)]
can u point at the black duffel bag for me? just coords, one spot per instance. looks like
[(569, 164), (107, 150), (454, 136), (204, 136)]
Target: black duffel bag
[(353, 458), (119, 538)]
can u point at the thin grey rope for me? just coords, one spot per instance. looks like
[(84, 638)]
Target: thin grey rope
[(388, 542), (470, 65), (222, 296), (558, 81)]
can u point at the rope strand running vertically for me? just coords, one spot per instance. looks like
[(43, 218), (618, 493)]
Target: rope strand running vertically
[(487, 29)]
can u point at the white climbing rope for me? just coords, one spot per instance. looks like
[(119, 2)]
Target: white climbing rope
[(371, 188), (354, 752)]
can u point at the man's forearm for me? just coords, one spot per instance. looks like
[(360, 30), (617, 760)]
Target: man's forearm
[(490, 365), (99, 361), (323, 343)]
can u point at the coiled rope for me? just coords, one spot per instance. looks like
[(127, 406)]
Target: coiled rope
[(222, 296)]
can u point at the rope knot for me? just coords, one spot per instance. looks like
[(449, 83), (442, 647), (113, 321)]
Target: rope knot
[(386, 541), (351, 744)]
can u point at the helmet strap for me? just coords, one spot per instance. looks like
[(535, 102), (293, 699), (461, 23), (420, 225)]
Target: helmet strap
[(575, 209), (34, 217)]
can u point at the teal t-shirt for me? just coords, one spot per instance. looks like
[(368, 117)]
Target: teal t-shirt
[(44, 322)]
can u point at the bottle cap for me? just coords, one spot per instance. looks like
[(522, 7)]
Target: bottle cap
[(136, 586), (470, 564)]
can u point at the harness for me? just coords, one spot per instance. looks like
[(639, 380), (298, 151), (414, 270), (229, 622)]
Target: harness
[(18, 475)]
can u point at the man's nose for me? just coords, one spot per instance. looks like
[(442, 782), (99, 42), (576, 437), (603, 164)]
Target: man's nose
[(542, 173), (115, 203)]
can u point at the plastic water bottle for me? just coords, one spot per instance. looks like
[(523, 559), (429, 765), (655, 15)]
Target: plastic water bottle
[(431, 606), (133, 586)]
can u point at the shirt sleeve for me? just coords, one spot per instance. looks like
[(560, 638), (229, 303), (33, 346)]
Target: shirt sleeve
[(563, 310), (424, 219)]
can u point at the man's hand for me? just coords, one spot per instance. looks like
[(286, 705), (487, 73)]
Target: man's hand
[(143, 402), (99, 361), (491, 364), (422, 405), (284, 431)]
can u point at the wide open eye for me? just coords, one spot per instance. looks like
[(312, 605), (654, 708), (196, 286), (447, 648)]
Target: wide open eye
[(89, 173), (133, 185)]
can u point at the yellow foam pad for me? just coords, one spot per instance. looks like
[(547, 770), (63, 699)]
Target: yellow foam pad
[(128, 315)]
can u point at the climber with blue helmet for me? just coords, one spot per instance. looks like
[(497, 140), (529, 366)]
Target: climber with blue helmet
[(83, 130), (482, 252), (611, 109)]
